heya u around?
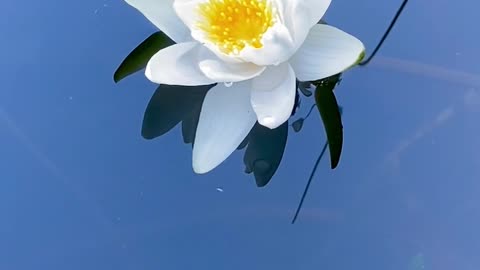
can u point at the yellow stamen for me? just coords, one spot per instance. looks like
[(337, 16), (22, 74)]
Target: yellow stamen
[(234, 24)]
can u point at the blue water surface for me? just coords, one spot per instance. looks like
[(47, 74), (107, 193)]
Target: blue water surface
[(81, 189)]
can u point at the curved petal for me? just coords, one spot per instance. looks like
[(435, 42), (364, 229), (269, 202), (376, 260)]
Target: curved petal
[(221, 71), (163, 16), (226, 119), (326, 51), (177, 65), (301, 15), (278, 47), (273, 95), (277, 41), (186, 11)]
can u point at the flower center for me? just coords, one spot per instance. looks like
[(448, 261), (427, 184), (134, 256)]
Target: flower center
[(234, 24)]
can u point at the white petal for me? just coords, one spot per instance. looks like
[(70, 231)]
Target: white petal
[(326, 51), (220, 71), (163, 16), (278, 47), (273, 95), (277, 42), (225, 120), (186, 10), (177, 65), (301, 15)]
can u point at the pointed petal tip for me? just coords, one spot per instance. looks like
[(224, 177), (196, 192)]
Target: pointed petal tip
[(203, 164), (362, 55), (200, 168), (148, 72), (273, 95), (338, 50), (177, 65), (225, 120), (269, 122)]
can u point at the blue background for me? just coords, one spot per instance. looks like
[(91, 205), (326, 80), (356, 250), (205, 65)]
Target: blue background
[(80, 188)]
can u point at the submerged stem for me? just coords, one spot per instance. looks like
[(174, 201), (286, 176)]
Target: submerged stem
[(310, 111), (307, 187), (390, 27), (363, 63)]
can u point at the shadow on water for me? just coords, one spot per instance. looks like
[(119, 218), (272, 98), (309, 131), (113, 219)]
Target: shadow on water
[(172, 105)]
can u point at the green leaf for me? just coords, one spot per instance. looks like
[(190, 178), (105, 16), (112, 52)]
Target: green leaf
[(139, 57), (265, 152), (331, 116), (169, 106)]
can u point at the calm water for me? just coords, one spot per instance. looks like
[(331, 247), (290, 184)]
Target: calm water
[(81, 189)]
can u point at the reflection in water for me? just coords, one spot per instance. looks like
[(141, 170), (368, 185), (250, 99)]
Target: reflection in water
[(428, 70), (442, 118), (265, 151), (171, 105)]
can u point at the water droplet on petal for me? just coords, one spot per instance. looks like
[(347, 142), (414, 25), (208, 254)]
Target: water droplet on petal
[(228, 84)]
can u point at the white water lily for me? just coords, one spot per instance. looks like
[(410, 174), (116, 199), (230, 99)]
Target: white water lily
[(261, 46)]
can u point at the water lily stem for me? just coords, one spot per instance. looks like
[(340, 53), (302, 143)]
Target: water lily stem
[(363, 63), (392, 24), (310, 111), (307, 187)]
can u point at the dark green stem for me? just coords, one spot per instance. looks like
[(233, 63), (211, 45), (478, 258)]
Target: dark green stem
[(307, 187), (392, 24), (310, 111)]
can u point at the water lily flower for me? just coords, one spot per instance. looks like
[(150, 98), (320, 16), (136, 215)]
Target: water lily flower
[(254, 50)]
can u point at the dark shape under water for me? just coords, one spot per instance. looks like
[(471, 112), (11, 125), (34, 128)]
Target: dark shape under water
[(169, 106), (265, 151)]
